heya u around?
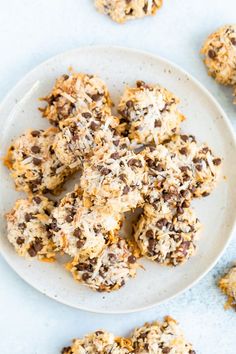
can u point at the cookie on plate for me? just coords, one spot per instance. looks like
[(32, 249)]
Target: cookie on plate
[(99, 342), (219, 52), (79, 136), (81, 231), (28, 228), (150, 112), (169, 236), (227, 284), (123, 10), (33, 163), (77, 93), (113, 179), (109, 271), (197, 162), (161, 338)]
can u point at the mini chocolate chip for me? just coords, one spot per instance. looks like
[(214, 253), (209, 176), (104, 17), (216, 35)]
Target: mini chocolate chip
[(157, 123), (96, 97), (22, 226), (135, 162), (199, 167), (32, 252), (75, 137), (35, 133), (105, 171), (37, 200), (140, 83), (28, 217), (183, 151), (233, 41), (217, 161), (112, 257), (85, 276), (211, 54), (98, 333), (69, 218), (80, 244), (149, 234), (161, 223), (86, 115), (94, 126), (36, 161), (122, 177), (116, 142), (35, 149), (192, 352), (115, 156), (131, 259), (129, 104), (77, 233), (38, 245), (20, 241), (166, 350), (66, 350), (180, 210), (93, 261), (205, 194), (126, 190), (184, 137)]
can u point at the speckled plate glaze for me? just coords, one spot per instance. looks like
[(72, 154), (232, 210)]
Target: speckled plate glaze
[(119, 67)]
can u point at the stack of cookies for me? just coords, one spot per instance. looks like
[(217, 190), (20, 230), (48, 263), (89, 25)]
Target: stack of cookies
[(137, 159)]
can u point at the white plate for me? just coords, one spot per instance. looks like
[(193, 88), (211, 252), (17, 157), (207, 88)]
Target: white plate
[(206, 120)]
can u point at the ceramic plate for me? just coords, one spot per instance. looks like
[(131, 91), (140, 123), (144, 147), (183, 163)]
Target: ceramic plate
[(205, 119)]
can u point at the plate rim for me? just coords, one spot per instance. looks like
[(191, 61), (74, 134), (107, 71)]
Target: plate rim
[(230, 131)]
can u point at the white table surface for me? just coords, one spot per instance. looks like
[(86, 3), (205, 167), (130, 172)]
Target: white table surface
[(34, 30)]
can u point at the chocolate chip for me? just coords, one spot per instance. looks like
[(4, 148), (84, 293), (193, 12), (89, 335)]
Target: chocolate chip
[(184, 137), (28, 217), (37, 200), (149, 234), (180, 210), (69, 218), (183, 151), (217, 161), (192, 352), (131, 259), (129, 104), (145, 8), (93, 261), (211, 54), (94, 126), (233, 41), (38, 244), (161, 223), (135, 162), (35, 133), (205, 194), (96, 97), (66, 350), (77, 233), (86, 115), (105, 171), (166, 350), (158, 123), (116, 142), (85, 276), (36, 161), (112, 257), (151, 244), (80, 244), (140, 83), (35, 149), (20, 241), (32, 252), (115, 156), (126, 190), (122, 177), (198, 167), (54, 226), (22, 226)]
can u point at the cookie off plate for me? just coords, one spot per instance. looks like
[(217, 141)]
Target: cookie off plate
[(120, 67)]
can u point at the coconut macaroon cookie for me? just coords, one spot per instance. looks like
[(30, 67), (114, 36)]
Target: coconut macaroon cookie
[(164, 178), (113, 179), (80, 135), (34, 164), (28, 230), (99, 342), (77, 93), (123, 10), (197, 162), (227, 284), (150, 112), (161, 338), (81, 231), (219, 52), (109, 271), (169, 237)]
